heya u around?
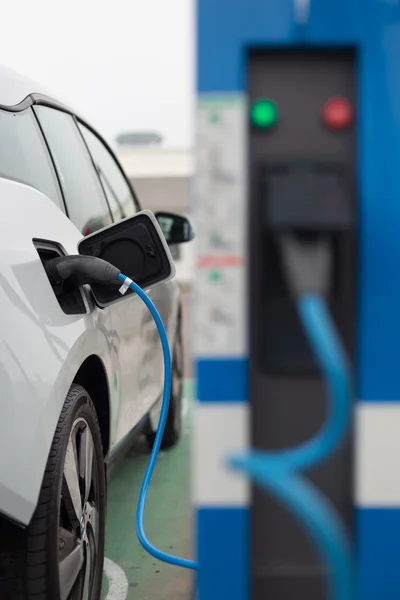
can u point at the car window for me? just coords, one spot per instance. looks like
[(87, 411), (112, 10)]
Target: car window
[(118, 192), (84, 197), (24, 156)]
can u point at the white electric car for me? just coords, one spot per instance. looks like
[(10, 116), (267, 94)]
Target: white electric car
[(76, 380)]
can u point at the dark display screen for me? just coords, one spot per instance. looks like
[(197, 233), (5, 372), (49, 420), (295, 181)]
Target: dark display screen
[(315, 197)]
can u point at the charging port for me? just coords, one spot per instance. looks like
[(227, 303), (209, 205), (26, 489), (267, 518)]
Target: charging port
[(70, 299)]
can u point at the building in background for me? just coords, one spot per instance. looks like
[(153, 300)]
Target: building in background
[(162, 179)]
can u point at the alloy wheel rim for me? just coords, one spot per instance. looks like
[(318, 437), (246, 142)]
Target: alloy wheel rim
[(79, 516)]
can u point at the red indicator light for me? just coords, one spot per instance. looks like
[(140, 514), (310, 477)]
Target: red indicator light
[(337, 113)]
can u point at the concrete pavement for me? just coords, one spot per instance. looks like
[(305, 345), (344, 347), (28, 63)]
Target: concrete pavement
[(135, 575)]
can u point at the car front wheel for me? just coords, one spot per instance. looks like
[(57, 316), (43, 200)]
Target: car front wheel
[(65, 539)]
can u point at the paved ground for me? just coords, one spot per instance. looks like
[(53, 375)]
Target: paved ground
[(133, 574)]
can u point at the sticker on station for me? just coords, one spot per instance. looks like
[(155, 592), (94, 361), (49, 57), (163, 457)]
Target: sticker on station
[(219, 316), (220, 214), (221, 172)]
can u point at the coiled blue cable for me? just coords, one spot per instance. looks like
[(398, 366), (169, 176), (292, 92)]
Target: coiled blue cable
[(277, 471), (168, 558), (332, 360)]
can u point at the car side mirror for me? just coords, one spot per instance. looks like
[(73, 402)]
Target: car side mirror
[(137, 247), (176, 228)]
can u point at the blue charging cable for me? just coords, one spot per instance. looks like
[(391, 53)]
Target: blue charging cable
[(277, 472), (168, 558)]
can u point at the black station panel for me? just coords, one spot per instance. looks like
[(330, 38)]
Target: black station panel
[(302, 166)]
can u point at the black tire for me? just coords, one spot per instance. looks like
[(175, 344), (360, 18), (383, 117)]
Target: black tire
[(173, 426), (58, 546)]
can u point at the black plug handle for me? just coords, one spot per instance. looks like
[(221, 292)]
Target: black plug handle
[(81, 270), (308, 264)]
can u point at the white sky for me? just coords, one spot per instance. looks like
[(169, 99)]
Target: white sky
[(125, 64)]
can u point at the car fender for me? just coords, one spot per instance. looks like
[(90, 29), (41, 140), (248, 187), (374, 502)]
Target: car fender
[(29, 420), (41, 348)]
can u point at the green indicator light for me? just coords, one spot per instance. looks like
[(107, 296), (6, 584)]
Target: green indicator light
[(264, 114)]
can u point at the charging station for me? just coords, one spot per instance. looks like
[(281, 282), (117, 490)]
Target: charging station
[(298, 134)]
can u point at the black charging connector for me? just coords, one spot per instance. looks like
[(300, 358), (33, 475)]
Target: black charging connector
[(307, 262), (80, 270)]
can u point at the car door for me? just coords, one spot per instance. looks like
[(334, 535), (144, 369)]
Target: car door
[(136, 338), (89, 209), (147, 349)]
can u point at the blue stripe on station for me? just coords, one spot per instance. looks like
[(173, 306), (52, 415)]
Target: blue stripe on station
[(223, 553), (222, 380), (378, 553)]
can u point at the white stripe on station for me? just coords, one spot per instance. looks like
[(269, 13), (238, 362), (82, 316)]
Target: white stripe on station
[(377, 454), (220, 430)]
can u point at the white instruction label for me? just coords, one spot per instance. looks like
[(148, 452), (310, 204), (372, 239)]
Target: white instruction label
[(220, 216)]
